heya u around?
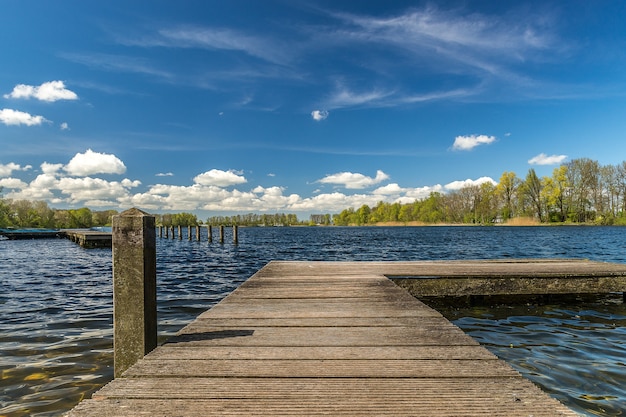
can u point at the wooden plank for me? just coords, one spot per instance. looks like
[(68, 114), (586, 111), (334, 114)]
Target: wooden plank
[(316, 338), (177, 352)]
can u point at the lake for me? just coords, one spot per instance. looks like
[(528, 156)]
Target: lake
[(56, 305)]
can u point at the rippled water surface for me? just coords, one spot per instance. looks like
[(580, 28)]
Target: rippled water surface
[(56, 305)]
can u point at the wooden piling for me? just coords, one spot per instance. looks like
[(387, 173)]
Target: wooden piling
[(221, 234), (235, 234), (188, 232), (172, 231), (198, 233), (210, 233), (180, 232), (160, 231), (134, 288)]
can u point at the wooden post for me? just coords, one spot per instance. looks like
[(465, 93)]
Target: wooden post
[(221, 234), (210, 233), (134, 288), (172, 231), (188, 232), (160, 231), (180, 232), (167, 232), (198, 233), (235, 234)]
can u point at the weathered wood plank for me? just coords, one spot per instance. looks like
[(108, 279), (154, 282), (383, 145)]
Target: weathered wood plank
[(309, 368), (176, 352)]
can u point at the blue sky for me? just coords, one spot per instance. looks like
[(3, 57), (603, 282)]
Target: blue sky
[(219, 107)]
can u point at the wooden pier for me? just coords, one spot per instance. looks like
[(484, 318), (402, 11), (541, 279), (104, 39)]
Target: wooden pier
[(335, 338), (88, 238)]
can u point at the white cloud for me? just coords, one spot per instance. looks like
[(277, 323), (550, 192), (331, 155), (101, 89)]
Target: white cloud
[(457, 185), (90, 162), (6, 170), (465, 143), (319, 115), (165, 174), (12, 183), (12, 117), (354, 180), (64, 126), (219, 178), (389, 189), (49, 91), (47, 168), (543, 159)]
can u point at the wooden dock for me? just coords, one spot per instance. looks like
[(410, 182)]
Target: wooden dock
[(88, 238), (331, 338)]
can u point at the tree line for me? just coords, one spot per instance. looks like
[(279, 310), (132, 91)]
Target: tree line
[(37, 214), (580, 191)]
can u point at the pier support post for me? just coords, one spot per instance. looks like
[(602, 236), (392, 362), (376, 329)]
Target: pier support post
[(210, 233), (221, 234), (235, 234), (180, 232), (198, 233), (134, 288)]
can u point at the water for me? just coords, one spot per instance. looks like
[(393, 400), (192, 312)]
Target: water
[(56, 305)]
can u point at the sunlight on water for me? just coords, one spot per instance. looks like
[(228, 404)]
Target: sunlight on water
[(56, 305)]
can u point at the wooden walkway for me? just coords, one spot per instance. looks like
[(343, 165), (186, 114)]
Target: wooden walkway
[(322, 338)]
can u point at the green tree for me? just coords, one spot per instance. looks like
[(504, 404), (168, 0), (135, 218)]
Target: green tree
[(532, 189), (506, 191)]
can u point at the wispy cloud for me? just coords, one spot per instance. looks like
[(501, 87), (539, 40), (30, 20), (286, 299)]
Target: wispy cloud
[(543, 159), (117, 63)]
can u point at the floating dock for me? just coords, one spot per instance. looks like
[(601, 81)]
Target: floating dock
[(340, 339), (88, 238)]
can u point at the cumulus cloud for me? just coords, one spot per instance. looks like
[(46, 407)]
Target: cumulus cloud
[(165, 174), (64, 126), (543, 159), (90, 162), (12, 117), (354, 180), (319, 115), (466, 143), (49, 91), (457, 185), (12, 183), (219, 178), (7, 170)]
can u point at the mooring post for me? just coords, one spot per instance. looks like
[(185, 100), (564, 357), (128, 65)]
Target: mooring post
[(160, 231), (188, 232), (180, 232), (172, 231), (221, 234), (210, 233), (235, 234), (134, 288), (198, 233)]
